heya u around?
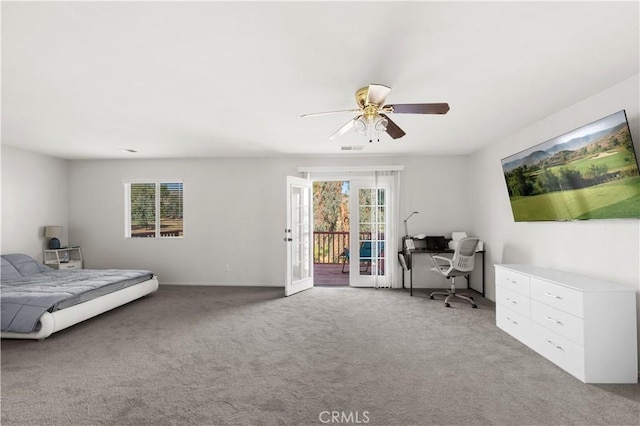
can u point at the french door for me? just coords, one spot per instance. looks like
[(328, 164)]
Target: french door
[(370, 233), (299, 235)]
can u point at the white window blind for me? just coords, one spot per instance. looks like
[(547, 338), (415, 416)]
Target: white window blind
[(154, 209)]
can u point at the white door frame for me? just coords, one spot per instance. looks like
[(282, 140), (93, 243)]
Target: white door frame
[(366, 173), (380, 263), (299, 235)]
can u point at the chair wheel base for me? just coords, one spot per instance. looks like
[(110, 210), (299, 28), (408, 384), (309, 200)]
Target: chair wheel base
[(451, 295)]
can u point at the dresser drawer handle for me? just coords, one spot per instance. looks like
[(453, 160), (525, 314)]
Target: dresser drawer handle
[(556, 346), (512, 301), (553, 295), (512, 321), (554, 320)]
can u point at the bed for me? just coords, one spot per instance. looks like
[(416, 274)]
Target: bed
[(37, 301)]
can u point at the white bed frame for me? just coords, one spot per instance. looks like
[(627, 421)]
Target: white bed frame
[(52, 322)]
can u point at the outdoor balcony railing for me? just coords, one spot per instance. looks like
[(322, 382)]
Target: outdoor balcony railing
[(328, 246)]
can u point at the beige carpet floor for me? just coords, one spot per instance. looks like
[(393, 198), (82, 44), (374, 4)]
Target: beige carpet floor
[(248, 356)]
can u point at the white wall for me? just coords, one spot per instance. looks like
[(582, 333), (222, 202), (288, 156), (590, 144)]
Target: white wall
[(606, 249), (437, 187), (235, 213), (34, 195)]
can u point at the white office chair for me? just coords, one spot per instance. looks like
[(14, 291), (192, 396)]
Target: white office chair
[(461, 264)]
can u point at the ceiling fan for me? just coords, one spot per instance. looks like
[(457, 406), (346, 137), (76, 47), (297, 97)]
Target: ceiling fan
[(373, 113)]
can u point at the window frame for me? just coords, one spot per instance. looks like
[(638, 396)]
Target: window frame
[(127, 207)]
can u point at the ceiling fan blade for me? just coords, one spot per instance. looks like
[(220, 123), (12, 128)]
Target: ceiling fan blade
[(314, 114), (392, 128), (344, 129), (377, 94), (442, 108)]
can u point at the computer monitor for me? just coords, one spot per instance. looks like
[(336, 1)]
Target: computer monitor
[(436, 243)]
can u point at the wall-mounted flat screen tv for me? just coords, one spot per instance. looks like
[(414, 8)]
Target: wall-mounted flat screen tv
[(588, 173)]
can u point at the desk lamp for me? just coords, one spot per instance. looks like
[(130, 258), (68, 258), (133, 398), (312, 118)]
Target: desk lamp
[(406, 231)]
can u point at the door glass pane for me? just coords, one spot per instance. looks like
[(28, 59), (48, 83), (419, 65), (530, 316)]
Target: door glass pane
[(365, 196), (297, 272), (365, 231), (372, 226), (365, 214), (301, 238)]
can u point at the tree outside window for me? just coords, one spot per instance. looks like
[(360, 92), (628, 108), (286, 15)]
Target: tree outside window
[(154, 210)]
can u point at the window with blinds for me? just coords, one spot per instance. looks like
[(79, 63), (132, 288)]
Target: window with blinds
[(154, 210)]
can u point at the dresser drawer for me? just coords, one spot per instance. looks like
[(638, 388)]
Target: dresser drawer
[(512, 281), (561, 322), (513, 323), (515, 301), (69, 265), (559, 350), (557, 296), (584, 325)]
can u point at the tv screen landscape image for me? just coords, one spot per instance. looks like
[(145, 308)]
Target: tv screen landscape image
[(588, 173)]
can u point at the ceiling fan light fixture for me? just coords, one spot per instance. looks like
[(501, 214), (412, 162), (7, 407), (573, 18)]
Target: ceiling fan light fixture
[(381, 124), (360, 125), (373, 109)]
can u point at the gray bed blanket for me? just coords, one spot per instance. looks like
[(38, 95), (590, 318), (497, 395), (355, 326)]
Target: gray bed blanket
[(29, 289)]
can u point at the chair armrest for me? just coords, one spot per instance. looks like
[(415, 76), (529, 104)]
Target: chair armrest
[(445, 268)]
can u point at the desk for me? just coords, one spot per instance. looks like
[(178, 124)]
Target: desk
[(410, 253)]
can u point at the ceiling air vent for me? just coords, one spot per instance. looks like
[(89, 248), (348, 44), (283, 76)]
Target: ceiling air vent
[(352, 148)]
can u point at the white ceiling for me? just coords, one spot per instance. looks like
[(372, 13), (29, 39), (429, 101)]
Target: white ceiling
[(184, 79)]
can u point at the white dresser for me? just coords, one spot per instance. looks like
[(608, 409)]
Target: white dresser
[(584, 325)]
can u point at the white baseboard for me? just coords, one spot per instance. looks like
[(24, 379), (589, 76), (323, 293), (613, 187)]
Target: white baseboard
[(223, 284)]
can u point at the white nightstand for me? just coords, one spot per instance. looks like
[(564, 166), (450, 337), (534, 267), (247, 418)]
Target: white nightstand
[(64, 258)]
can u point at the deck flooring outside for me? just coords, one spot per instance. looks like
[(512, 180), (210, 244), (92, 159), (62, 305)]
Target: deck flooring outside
[(330, 274)]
